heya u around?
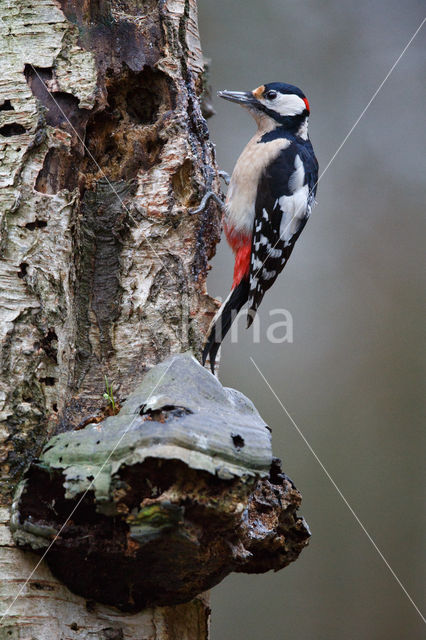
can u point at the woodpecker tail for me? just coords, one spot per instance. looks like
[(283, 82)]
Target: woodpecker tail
[(223, 320)]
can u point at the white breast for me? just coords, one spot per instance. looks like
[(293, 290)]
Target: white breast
[(241, 197)]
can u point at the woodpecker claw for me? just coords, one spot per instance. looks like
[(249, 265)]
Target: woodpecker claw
[(210, 173), (203, 203), (225, 176)]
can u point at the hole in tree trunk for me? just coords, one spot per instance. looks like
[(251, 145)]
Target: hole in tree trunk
[(12, 129), (7, 106), (37, 224)]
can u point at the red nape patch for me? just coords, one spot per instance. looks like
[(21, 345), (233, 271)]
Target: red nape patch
[(305, 100), (242, 264)]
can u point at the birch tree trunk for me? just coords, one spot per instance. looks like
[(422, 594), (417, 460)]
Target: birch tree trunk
[(103, 151)]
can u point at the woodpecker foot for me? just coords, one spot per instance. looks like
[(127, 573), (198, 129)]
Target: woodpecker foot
[(209, 192), (225, 176), (204, 201)]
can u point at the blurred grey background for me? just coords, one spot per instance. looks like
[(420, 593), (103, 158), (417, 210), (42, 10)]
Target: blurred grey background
[(353, 379)]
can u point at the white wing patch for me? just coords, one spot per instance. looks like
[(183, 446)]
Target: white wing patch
[(294, 210), (297, 178), (294, 207)]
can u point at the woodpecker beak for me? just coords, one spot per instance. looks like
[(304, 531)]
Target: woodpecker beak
[(244, 98)]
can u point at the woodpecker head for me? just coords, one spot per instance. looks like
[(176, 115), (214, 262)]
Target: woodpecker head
[(282, 104)]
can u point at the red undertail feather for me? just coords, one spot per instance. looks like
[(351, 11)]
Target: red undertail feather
[(240, 244), (242, 264)]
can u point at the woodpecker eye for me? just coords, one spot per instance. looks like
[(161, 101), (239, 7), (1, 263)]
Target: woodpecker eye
[(271, 95)]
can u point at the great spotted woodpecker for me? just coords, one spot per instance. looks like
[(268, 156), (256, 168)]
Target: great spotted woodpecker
[(270, 197)]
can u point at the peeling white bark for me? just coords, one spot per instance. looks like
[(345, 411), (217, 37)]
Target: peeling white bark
[(54, 350), (35, 228)]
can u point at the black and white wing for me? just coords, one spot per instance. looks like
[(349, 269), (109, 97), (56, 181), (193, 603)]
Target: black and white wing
[(286, 194)]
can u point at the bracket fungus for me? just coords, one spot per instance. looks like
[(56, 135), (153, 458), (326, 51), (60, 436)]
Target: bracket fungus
[(173, 493)]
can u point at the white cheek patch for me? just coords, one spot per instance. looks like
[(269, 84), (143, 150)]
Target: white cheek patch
[(286, 104)]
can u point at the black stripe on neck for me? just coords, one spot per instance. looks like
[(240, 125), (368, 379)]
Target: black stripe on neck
[(289, 123), (281, 132)]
